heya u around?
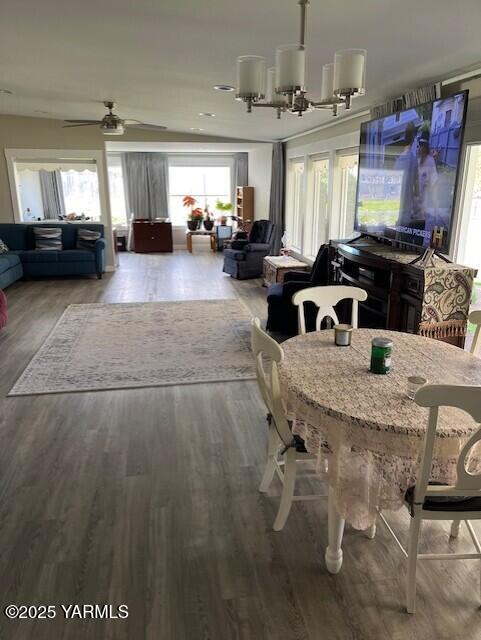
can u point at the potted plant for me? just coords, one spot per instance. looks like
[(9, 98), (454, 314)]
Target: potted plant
[(208, 220), (195, 214), (223, 208)]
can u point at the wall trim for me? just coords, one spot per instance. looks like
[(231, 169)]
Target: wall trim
[(328, 125)]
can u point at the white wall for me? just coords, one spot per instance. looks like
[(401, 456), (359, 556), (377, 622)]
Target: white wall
[(30, 192)]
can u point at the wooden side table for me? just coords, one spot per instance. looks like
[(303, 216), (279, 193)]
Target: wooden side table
[(275, 267), (201, 232)]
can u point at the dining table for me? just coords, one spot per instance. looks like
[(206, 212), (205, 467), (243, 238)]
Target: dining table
[(365, 433)]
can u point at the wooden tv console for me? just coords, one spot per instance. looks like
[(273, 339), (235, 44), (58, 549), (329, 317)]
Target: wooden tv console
[(431, 300)]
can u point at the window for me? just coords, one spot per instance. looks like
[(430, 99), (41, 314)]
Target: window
[(206, 184), (469, 225), (117, 193), (295, 203), (347, 167), (81, 193), (316, 213)]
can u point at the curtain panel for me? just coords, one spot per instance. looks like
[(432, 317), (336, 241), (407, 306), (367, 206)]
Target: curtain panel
[(52, 194), (240, 171), (146, 181), (277, 199)]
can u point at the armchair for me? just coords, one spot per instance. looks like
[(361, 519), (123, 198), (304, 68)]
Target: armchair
[(281, 313), (245, 256)]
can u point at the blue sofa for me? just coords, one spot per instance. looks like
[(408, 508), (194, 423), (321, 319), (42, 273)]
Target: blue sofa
[(23, 260)]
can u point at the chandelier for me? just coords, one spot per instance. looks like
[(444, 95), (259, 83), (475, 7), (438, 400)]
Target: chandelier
[(286, 90)]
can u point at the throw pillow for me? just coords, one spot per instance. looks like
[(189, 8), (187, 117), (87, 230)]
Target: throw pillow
[(86, 239), (3, 247), (48, 238)]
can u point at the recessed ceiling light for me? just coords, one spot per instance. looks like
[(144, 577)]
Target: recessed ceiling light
[(7, 92), (207, 114), (224, 87), (196, 129)]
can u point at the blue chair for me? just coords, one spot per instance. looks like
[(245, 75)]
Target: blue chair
[(245, 257)]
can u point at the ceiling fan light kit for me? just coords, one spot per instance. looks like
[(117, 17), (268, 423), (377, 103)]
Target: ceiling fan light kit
[(286, 84)]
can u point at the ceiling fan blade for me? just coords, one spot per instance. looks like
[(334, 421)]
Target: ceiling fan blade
[(84, 121), (80, 124), (143, 125)]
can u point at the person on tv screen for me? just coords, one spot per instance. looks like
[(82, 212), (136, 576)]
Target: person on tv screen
[(408, 164), (428, 185)]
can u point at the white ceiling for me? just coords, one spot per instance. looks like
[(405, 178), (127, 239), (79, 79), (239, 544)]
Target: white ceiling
[(159, 59)]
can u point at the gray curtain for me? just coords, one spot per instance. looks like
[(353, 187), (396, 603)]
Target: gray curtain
[(146, 181), (240, 174), (52, 194), (277, 200)]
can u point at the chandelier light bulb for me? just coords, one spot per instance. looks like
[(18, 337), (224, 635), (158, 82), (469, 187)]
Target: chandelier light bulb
[(251, 77), (349, 72), (327, 86), (291, 68), (274, 98)]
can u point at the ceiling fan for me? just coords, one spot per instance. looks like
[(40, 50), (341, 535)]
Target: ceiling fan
[(111, 124)]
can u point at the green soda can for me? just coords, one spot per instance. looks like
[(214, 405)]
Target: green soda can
[(381, 349)]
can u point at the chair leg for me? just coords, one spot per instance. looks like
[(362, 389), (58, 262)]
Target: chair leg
[(272, 451), (370, 532), (412, 563), (287, 489), (455, 528)]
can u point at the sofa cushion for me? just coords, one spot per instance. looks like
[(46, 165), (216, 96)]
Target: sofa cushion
[(76, 255), (48, 238), (3, 247), (38, 255), (14, 236), (7, 261), (86, 239)]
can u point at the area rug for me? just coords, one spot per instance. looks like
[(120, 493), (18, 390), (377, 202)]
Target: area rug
[(118, 346)]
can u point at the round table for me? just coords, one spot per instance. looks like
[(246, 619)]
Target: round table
[(366, 434)]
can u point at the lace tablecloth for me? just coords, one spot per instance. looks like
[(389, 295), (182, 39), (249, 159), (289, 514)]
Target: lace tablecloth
[(366, 433)]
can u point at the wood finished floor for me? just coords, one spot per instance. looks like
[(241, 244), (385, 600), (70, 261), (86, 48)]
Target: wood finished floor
[(148, 497)]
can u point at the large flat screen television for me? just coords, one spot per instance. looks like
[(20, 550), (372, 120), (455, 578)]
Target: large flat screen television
[(408, 172)]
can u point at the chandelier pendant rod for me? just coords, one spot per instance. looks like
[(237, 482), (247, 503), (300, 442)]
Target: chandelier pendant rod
[(303, 4)]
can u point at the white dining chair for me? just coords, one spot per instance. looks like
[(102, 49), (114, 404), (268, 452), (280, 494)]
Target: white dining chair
[(475, 318), (325, 298), (284, 449), (426, 501)]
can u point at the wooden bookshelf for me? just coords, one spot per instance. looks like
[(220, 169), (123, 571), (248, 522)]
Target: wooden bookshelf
[(244, 204)]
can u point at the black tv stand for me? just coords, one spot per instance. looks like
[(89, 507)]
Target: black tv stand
[(426, 258)]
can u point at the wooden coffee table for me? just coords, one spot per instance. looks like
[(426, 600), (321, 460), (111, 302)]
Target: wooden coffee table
[(201, 232), (275, 267)]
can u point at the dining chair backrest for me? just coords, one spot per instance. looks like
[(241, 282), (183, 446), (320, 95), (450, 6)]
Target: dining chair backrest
[(475, 318), (269, 354), (325, 298), (468, 399)]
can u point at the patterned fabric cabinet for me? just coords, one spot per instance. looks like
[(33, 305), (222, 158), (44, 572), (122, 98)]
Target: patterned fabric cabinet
[(275, 267)]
